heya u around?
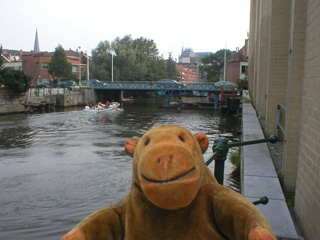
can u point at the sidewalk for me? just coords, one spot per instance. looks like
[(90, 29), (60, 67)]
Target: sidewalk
[(259, 178)]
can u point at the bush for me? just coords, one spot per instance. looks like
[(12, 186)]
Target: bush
[(15, 80), (243, 83)]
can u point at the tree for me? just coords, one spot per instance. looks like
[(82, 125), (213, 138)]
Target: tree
[(59, 66), (213, 64), (134, 60), (15, 80), (1, 58), (171, 68)]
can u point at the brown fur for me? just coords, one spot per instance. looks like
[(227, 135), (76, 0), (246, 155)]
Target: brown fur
[(174, 196)]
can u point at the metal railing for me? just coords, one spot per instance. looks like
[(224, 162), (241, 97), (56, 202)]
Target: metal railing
[(221, 147), (42, 92), (280, 107), (198, 87)]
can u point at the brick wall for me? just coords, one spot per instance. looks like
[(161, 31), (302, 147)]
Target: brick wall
[(263, 57), (292, 73), (37, 75), (307, 202), (233, 72), (295, 78), (279, 57)]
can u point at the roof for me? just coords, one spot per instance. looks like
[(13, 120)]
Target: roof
[(188, 52), (203, 54), (38, 54)]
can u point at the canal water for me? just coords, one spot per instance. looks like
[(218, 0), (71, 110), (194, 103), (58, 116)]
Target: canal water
[(57, 168)]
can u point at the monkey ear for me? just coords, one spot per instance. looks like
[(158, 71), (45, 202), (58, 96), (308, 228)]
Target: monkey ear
[(203, 141), (130, 146)]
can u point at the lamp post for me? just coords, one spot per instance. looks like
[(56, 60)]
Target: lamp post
[(112, 52), (88, 64), (79, 65)]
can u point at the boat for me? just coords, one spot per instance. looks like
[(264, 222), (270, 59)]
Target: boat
[(112, 108)]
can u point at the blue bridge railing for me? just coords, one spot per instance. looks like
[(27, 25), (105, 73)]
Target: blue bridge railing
[(197, 89), (200, 86)]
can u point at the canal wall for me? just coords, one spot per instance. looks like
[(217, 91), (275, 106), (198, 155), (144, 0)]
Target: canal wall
[(259, 178), (85, 96), (12, 102)]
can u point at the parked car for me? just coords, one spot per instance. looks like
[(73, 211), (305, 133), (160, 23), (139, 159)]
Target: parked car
[(90, 83), (67, 84), (42, 85), (170, 83)]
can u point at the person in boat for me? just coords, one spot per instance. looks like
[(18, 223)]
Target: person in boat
[(87, 106), (100, 106)]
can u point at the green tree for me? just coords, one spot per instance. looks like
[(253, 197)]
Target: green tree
[(171, 68), (133, 60), (59, 67), (1, 58), (147, 47), (212, 65), (15, 80)]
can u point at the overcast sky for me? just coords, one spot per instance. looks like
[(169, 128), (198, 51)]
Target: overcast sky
[(203, 25)]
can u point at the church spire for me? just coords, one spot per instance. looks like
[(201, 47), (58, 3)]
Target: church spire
[(36, 43)]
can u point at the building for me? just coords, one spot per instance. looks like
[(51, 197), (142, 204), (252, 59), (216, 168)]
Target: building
[(237, 65), (36, 63), (12, 59), (188, 65), (187, 76), (284, 84)]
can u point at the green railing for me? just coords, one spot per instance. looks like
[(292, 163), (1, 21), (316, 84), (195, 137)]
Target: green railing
[(220, 151)]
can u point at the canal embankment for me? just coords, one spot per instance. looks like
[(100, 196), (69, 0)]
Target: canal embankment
[(259, 177), (44, 99)]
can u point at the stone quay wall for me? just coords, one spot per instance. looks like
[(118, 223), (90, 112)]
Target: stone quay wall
[(12, 102)]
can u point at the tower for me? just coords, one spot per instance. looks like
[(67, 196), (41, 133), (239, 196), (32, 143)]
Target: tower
[(36, 43)]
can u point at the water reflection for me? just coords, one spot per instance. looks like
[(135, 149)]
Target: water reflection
[(56, 168)]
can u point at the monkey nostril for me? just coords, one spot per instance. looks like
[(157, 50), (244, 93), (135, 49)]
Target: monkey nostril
[(171, 158), (159, 160)]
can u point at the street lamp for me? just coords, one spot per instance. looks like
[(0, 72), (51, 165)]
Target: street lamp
[(79, 65), (112, 52), (88, 64)]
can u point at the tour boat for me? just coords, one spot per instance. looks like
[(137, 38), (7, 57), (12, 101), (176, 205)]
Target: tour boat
[(112, 107)]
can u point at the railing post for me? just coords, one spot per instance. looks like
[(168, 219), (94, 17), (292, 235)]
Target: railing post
[(220, 150)]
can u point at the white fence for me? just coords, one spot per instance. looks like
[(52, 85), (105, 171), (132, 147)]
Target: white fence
[(41, 92)]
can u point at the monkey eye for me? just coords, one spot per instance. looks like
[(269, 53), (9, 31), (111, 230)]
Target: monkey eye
[(147, 141), (181, 138)]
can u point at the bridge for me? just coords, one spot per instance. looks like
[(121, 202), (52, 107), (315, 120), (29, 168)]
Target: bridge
[(199, 89)]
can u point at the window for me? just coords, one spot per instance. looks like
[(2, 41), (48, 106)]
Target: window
[(37, 66), (244, 69), (74, 69), (45, 66), (25, 65)]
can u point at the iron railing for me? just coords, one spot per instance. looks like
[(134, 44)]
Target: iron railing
[(280, 109)]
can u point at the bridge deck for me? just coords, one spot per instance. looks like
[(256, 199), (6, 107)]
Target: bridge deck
[(196, 89)]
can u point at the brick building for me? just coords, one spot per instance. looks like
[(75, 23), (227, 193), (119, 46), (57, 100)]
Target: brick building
[(36, 65), (284, 77), (237, 65), (188, 65), (185, 75)]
